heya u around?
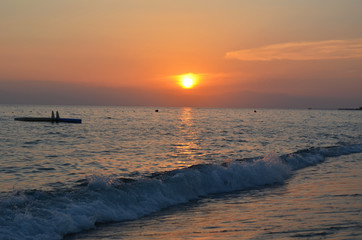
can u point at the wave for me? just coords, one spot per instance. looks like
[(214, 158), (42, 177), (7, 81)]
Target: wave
[(39, 214)]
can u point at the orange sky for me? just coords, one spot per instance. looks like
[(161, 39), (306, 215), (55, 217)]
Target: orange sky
[(289, 54)]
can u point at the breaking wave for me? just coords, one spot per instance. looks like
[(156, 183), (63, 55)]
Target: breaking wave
[(39, 214)]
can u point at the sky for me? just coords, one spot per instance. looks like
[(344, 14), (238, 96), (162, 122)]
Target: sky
[(247, 54)]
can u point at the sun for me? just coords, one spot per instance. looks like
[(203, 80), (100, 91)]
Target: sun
[(188, 81)]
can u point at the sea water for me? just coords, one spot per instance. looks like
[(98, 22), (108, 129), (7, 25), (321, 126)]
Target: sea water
[(180, 173)]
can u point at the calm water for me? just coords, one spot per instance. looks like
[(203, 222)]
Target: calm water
[(219, 173)]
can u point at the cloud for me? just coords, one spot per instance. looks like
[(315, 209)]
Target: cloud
[(299, 51)]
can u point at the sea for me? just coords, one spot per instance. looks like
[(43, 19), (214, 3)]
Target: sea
[(180, 173)]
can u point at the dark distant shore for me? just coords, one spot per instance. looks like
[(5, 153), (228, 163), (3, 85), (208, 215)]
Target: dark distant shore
[(360, 108)]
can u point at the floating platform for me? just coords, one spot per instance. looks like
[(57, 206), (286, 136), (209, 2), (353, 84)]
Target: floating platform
[(53, 120)]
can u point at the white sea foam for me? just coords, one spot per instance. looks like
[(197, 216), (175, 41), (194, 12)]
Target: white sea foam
[(51, 215), (314, 156)]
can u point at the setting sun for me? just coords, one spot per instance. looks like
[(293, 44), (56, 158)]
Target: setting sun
[(188, 80)]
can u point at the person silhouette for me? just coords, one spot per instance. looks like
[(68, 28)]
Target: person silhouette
[(57, 117)]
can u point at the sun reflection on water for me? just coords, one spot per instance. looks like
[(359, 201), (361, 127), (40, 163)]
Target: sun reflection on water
[(188, 145)]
